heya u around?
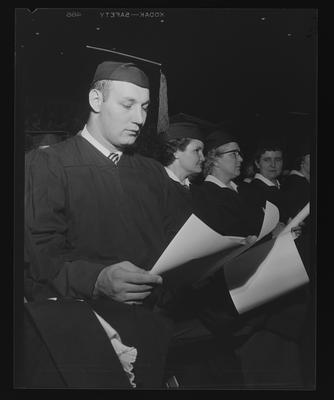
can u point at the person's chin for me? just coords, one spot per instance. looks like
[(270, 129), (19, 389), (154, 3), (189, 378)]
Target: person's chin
[(129, 141), (273, 176), (131, 138), (129, 147)]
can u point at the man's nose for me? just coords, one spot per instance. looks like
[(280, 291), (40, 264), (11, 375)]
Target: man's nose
[(139, 115)]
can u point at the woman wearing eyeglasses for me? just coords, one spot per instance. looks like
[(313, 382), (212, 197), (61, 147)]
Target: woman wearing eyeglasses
[(267, 358), (217, 201)]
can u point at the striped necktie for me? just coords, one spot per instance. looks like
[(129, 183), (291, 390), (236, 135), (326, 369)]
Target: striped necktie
[(114, 157)]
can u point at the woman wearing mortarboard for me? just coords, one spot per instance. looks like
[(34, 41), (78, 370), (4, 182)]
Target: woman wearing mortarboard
[(181, 154), (269, 352), (217, 201)]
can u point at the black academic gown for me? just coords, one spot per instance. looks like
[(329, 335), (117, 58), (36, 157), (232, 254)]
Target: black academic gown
[(63, 345), (225, 211), (181, 203), (199, 357), (258, 192), (286, 317), (278, 323), (296, 190), (84, 213)]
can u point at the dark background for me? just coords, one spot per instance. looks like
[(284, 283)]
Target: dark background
[(255, 67)]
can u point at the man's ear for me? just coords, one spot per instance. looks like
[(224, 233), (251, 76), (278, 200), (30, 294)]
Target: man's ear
[(95, 100), (257, 164)]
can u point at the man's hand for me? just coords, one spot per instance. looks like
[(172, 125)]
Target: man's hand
[(297, 230), (125, 282), (250, 239)]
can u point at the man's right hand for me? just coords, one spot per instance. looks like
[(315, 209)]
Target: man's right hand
[(125, 282)]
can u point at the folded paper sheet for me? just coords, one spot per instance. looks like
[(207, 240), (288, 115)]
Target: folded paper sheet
[(254, 276), (270, 220), (297, 219), (194, 240), (265, 272), (197, 240)]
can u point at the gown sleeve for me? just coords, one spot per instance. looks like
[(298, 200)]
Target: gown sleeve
[(52, 262)]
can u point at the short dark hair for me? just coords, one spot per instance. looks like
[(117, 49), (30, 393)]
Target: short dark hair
[(169, 147), (209, 161), (263, 147)]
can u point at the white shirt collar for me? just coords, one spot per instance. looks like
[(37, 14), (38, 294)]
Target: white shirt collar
[(213, 179), (266, 181), (171, 174), (85, 134), (295, 172)]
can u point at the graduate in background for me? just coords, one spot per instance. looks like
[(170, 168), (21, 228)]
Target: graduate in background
[(297, 191), (268, 348), (217, 201), (181, 153), (287, 317), (296, 186), (265, 185)]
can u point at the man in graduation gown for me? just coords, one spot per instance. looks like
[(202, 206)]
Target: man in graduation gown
[(98, 217)]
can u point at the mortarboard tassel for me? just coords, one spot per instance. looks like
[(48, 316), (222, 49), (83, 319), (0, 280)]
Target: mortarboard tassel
[(163, 119)]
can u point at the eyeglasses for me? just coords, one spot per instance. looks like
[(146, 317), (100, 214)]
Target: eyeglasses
[(236, 153)]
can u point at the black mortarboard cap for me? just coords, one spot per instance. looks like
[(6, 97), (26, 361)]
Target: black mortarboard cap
[(129, 72), (178, 130), (118, 71), (218, 138), (205, 126)]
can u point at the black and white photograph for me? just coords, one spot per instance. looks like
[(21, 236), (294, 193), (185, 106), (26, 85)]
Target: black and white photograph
[(165, 198)]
